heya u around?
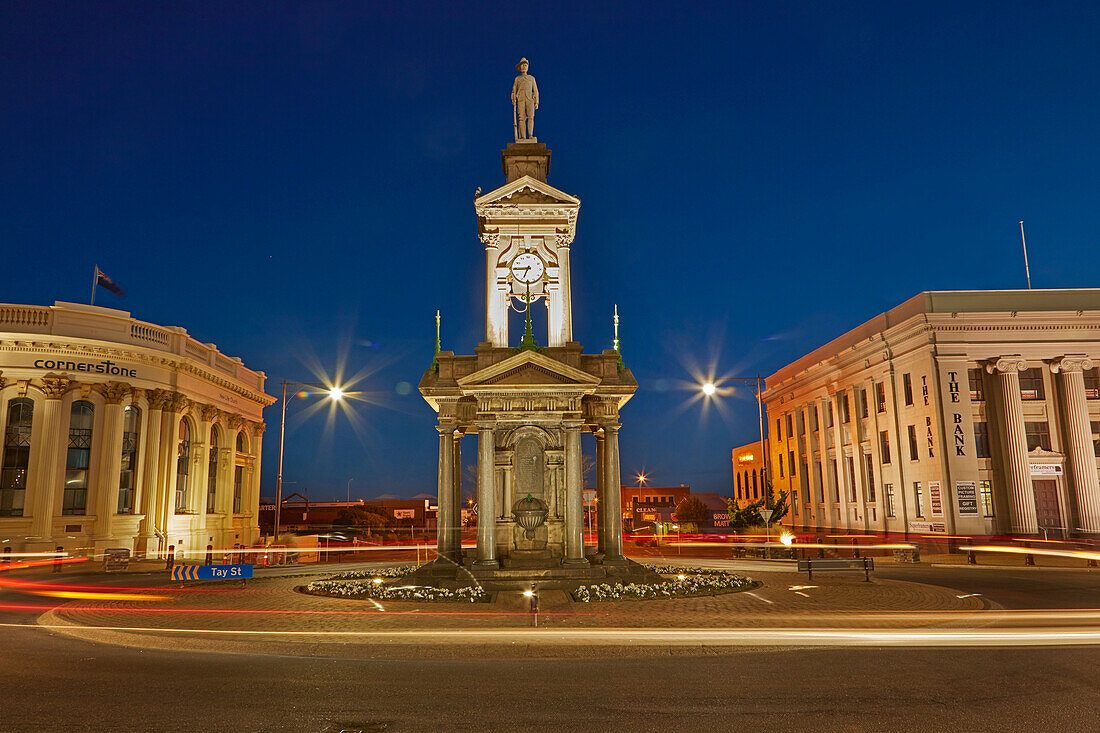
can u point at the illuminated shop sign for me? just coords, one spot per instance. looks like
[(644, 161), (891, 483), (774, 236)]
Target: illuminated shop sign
[(92, 367)]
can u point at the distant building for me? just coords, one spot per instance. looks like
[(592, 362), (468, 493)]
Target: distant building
[(644, 505), (748, 472), (299, 516), (955, 413)]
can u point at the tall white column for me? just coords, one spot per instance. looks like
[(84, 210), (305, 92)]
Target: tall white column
[(601, 493), (496, 317), (486, 497), (251, 501), (456, 474), (1082, 456), (574, 498), (613, 549), (46, 483), (1021, 494), (445, 519), (566, 294), (110, 461), (149, 452)]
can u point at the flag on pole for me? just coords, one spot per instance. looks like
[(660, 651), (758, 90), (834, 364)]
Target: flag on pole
[(107, 283)]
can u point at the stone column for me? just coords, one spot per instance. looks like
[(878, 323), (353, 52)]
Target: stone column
[(486, 498), (601, 493), (574, 497), (250, 503), (613, 549), (566, 294), (1082, 456), (445, 519), (496, 318), (149, 451), (174, 406), (457, 475), (46, 484), (1021, 495), (110, 459)]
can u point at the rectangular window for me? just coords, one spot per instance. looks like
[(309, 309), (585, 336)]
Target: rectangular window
[(987, 497), (913, 454), (907, 388), (842, 406), (126, 477), (1092, 383), (780, 462), (880, 396), (1031, 384), (977, 391), (813, 418), (1038, 435), (863, 410), (851, 464), (836, 480), (801, 420), (820, 482), (870, 477), (790, 425), (884, 446), (888, 490), (778, 429), (17, 457), (74, 498), (790, 463), (981, 439), (794, 501), (918, 496), (238, 481), (829, 414)]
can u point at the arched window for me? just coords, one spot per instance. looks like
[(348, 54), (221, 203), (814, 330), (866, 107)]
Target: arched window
[(131, 422), (242, 447), (755, 488), (17, 457), (183, 466), (212, 472), (77, 458)]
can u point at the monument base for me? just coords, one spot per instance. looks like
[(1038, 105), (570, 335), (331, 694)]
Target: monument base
[(529, 574)]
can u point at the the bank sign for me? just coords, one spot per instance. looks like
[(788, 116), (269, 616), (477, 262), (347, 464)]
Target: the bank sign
[(100, 367)]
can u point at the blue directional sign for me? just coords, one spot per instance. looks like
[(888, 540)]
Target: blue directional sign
[(211, 572)]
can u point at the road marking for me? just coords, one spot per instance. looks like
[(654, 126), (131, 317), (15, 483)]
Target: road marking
[(759, 598), (969, 595)]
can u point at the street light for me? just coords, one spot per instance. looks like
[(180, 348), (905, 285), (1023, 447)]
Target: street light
[(335, 394), (711, 389)]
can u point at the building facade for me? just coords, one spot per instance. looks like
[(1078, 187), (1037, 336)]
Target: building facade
[(955, 413), (748, 472), (118, 433)]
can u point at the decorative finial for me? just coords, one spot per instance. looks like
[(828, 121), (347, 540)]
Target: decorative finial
[(615, 341), (435, 360)]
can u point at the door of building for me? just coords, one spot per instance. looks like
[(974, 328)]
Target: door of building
[(1047, 513)]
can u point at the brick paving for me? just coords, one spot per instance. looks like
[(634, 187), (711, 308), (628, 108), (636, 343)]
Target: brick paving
[(274, 604)]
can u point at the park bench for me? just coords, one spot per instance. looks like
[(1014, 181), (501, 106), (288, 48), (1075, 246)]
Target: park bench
[(866, 564)]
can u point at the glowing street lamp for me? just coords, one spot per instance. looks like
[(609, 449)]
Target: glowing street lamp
[(712, 390), (335, 394)]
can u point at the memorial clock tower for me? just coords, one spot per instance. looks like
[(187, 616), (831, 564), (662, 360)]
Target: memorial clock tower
[(529, 404)]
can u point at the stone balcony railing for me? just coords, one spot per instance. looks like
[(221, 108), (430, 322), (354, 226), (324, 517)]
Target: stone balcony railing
[(106, 324)]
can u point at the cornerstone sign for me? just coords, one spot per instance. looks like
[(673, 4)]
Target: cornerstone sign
[(92, 367)]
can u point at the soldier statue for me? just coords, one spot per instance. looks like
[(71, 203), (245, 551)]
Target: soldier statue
[(525, 100)]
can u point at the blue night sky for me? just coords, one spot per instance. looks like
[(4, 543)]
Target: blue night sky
[(293, 181)]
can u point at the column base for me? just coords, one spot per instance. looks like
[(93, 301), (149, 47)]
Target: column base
[(489, 564), (576, 562), (615, 560)]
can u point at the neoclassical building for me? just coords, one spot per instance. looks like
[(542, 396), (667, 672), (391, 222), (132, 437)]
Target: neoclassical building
[(955, 413), (122, 433)]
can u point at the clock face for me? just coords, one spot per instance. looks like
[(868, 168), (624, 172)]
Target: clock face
[(527, 268)]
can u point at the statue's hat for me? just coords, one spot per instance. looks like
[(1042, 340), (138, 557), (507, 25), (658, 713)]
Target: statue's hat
[(521, 63)]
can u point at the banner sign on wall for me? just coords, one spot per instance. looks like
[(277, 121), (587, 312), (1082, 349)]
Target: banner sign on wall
[(935, 495), (966, 494)]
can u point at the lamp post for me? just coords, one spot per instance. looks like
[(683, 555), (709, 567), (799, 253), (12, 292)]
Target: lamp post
[(709, 389), (349, 489), (335, 394)]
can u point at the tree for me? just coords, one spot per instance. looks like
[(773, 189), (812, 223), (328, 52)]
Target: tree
[(749, 515), (693, 511), (364, 517)]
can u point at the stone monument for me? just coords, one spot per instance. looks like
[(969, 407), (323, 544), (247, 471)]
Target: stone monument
[(530, 405)]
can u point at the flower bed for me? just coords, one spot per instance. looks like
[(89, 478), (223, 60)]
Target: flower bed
[(373, 587), (399, 572), (689, 582)]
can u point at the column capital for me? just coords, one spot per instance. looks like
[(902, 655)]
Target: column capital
[(572, 424), (113, 392), (446, 428), (1006, 364), (490, 238), (157, 399), (209, 413), (55, 387), (610, 428), (1071, 363), (258, 429), (483, 425)]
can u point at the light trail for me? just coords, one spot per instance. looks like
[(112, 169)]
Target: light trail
[(1031, 551), (699, 637), (94, 596)]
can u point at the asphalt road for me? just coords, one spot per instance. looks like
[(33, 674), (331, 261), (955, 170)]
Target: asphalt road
[(50, 683)]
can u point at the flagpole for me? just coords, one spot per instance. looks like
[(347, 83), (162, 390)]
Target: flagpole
[(95, 281), (1027, 270)]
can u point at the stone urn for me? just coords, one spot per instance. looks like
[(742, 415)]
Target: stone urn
[(529, 514)]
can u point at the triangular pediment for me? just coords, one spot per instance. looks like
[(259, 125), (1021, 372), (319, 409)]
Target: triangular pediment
[(526, 190), (529, 369)]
